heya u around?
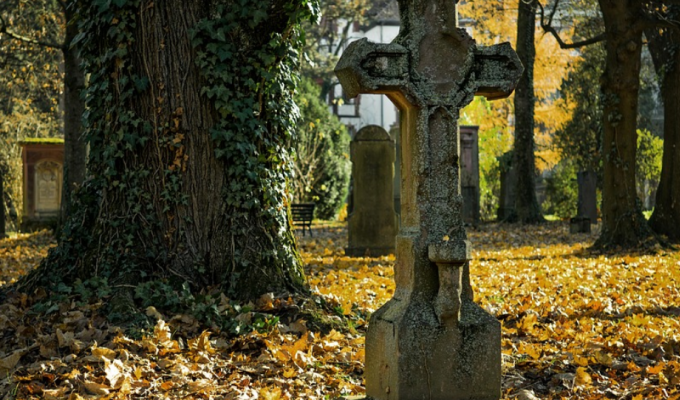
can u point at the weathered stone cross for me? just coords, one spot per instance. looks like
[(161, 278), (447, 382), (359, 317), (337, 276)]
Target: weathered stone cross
[(431, 341)]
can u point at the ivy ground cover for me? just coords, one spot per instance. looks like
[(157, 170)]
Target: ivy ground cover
[(576, 324)]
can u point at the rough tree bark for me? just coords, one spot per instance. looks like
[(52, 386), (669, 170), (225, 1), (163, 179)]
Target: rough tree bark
[(75, 147), (527, 208), (665, 49), (623, 223), (184, 187)]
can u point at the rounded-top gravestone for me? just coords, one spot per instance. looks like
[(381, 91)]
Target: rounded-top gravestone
[(372, 225)]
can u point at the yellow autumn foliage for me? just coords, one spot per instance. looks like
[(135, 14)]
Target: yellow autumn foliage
[(495, 22), (576, 324)]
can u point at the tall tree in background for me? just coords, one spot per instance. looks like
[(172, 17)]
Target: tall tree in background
[(664, 45), (189, 111), (497, 21), (524, 163), (624, 226), (623, 222), (50, 24)]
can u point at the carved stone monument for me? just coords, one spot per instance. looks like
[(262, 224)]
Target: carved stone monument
[(506, 200), (372, 225), (586, 213), (469, 173), (42, 181), (587, 195), (431, 341)]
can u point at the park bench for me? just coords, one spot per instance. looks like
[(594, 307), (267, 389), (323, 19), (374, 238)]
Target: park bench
[(303, 213)]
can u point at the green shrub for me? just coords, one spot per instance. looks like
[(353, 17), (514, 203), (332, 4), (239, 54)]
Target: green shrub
[(647, 163), (561, 191), (321, 163)]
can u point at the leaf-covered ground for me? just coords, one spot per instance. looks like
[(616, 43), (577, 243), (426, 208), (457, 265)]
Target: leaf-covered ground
[(575, 325)]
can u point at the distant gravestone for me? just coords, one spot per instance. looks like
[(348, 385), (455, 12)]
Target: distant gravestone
[(587, 195), (469, 173), (372, 225), (506, 200), (431, 341), (587, 203), (42, 182)]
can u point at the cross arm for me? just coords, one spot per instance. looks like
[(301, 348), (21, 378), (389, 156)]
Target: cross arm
[(367, 67), (497, 69)]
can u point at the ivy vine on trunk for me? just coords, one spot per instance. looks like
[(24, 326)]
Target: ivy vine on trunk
[(189, 111)]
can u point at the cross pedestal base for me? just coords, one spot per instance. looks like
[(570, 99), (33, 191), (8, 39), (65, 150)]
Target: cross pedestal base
[(414, 357)]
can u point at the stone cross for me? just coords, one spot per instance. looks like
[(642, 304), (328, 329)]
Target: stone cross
[(431, 341)]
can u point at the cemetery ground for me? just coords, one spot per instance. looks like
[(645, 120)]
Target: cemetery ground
[(576, 324)]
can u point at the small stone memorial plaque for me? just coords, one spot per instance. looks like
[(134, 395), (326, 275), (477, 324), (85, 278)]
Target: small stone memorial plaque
[(43, 161)]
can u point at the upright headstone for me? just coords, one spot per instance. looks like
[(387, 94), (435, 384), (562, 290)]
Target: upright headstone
[(431, 341), (587, 195), (372, 225), (469, 173), (43, 161), (506, 206)]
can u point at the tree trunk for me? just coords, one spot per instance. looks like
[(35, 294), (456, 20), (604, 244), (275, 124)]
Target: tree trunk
[(75, 147), (623, 223), (188, 114), (665, 50), (526, 204)]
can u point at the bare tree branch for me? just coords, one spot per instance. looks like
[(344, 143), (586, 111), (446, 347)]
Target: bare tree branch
[(343, 39), (552, 13), (548, 28), (15, 36), (658, 20)]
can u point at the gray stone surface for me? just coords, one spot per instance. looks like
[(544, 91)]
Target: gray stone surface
[(431, 341), (587, 195), (469, 173), (372, 225), (395, 134), (506, 206)]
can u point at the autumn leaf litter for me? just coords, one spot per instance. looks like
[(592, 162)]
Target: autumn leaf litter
[(576, 324)]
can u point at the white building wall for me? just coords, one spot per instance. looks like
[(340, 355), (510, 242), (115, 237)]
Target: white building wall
[(373, 109)]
